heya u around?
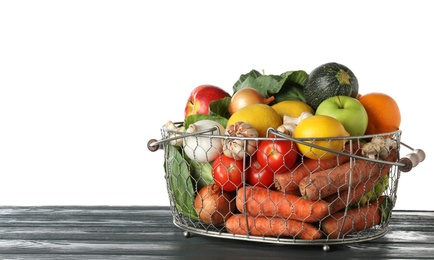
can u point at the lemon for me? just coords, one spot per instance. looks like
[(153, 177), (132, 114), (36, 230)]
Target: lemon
[(292, 108), (320, 126), (260, 116)]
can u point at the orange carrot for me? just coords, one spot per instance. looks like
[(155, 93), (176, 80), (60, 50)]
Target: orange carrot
[(271, 227), (345, 198), (290, 180), (357, 219), (258, 201), (324, 183)]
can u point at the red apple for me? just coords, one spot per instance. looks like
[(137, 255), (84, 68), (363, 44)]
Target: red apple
[(201, 96)]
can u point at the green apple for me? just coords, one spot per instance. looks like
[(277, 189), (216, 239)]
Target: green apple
[(347, 110)]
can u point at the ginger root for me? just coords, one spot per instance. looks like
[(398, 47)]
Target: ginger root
[(378, 147), (174, 131), (289, 123)]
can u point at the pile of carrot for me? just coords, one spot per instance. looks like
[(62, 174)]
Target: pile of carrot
[(329, 181), (259, 201), (289, 181), (271, 227), (312, 200), (358, 219)]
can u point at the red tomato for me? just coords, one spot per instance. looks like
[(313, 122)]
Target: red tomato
[(279, 155), (227, 172), (259, 175)]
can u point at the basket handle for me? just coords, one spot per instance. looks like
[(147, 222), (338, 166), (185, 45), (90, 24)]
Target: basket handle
[(405, 164), (411, 160), (154, 145)]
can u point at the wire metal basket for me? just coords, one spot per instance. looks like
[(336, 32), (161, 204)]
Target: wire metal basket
[(353, 219)]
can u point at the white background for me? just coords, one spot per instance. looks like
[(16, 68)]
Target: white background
[(84, 85)]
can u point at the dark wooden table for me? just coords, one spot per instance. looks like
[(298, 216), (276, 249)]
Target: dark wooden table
[(106, 232)]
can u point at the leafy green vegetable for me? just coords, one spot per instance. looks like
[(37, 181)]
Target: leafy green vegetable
[(378, 189), (244, 77), (373, 194), (194, 118), (220, 107), (286, 86), (292, 88), (386, 208), (182, 191), (299, 77), (201, 173)]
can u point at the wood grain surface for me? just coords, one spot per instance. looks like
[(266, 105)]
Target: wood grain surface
[(107, 232)]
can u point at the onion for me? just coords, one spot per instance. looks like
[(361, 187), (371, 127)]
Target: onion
[(203, 148), (247, 96), (213, 205)]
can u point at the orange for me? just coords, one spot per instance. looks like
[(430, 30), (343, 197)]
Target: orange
[(384, 115)]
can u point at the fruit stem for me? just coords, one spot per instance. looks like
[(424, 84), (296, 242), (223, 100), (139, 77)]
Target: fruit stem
[(340, 102), (268, 100), (343, 77)]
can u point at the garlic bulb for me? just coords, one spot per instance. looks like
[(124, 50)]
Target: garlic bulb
[(237, 148)]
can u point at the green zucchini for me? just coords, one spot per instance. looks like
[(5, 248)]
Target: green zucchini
[(328, 80)]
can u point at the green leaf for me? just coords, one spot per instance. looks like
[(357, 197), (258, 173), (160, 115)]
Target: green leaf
[(268, 85), (286, 86), (290, 91), (201, 173), (386, 208), (299, 77), (182, 191), (220, 107), (245, 79), (194, 118), (374, 193), (293, 83)]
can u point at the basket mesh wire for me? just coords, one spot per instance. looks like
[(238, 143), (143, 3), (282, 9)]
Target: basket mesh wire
[(184, 180)]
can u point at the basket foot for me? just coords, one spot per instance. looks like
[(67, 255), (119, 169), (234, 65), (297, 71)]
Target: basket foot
[(187, 234), (326, 248)]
